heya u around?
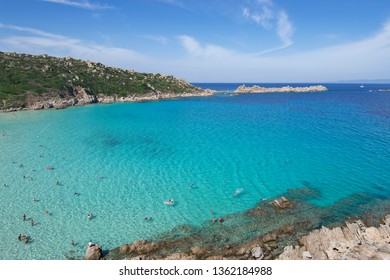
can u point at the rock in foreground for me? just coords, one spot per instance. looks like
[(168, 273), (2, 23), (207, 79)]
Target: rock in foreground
[(354, 241)]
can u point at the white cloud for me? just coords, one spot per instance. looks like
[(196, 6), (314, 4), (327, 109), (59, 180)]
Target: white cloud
[(84, 4), (38, 42), (195, 49), (269, 17), (285, 29), (367, 58)]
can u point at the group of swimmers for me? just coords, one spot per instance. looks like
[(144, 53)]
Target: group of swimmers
[(220, 219), (24, 238)]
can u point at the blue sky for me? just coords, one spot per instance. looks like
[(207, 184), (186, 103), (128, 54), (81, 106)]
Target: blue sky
[(210, 41)]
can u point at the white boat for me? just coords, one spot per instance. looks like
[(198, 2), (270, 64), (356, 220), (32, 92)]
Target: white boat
[(169, 202)]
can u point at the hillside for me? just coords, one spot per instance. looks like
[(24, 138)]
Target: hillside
[(40, 82)]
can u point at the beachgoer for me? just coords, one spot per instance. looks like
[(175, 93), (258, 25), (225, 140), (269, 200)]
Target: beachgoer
[(148, 218), (73, 243), (32, 222), (47, 212), (76, 193), (25, 239), (220, 219), (90, 216), (58, 183), (24, 217), (34, 199), (90, 243), (214, 220), (20, 237)]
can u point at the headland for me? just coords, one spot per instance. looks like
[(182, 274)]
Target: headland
[(36, 82)]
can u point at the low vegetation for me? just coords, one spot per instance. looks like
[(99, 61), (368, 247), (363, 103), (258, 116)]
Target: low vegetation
[(23, 76)]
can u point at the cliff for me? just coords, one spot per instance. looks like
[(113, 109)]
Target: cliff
[(42, 81), (259, 89)]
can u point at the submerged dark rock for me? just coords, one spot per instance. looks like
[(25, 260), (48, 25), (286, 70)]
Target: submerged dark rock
[(264, 227)]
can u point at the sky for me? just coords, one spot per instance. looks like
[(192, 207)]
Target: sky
[(209, 40)]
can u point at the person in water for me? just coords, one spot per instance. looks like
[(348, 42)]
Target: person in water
[(90, 216), (24, 217), (220, 219), (214, 220)]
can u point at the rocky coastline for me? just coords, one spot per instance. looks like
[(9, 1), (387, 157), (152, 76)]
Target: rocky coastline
[(259, 89), (79, 96), (282, 228)]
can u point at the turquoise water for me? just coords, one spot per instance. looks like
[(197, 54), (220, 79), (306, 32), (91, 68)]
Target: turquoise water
[(124, 160)]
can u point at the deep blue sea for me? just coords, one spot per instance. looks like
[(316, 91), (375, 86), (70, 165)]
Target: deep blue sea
[(124, 160)]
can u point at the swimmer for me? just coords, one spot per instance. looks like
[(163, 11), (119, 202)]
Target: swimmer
[(76, 193), (192, 186), (32, 222), (24, 217), (34, 199), (90, 216), (57, 183), (148, 218), (220, 219), (73, 243), (46, 212), (20, 237), (214, 220), (25, 239), (90, 243)]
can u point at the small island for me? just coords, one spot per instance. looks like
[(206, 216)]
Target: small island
[(259, 89)]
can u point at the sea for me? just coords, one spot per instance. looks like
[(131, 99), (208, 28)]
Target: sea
[(219, 155)]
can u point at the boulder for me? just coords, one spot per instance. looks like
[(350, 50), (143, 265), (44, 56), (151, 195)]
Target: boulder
[(198, 251), (93, 253), (257, 253)]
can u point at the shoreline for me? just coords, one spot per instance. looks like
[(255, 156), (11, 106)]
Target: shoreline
[(283, 229), (82, 98)]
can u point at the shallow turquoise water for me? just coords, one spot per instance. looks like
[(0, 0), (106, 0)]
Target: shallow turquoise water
[(126, 159)]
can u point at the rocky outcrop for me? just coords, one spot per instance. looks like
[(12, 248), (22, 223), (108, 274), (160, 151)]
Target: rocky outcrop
[(354, 241), (259, 89), (80, 97), (93, 253)]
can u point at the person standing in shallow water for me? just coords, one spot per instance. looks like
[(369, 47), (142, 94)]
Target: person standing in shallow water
[(24, 217)]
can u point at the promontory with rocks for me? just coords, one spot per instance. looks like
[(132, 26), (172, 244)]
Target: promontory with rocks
[(34, 82), (259, 89), (285, 228)]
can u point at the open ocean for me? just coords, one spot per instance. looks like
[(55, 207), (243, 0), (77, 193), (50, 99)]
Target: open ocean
[(124, 160)]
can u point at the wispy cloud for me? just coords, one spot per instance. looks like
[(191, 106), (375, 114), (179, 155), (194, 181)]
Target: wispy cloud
[(176, 3), (156, 38), (366, 58), (83, 4), (269, 17), (31, 40), (197, 50)]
